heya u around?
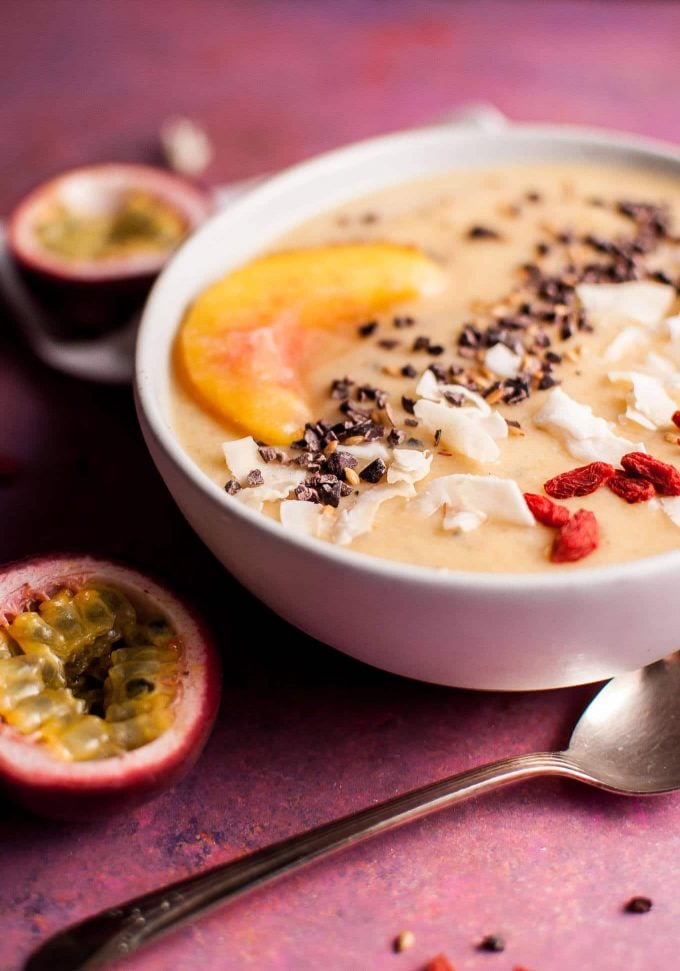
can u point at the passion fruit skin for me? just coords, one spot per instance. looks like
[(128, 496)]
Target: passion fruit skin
[(88, 298), (86, 791)]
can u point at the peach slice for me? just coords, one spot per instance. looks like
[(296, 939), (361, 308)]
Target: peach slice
[(245, 343)]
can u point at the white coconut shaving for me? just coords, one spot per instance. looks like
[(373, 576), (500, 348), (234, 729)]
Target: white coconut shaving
[(367, 452), (464, 430), (359, 518), (640, 301), (471, 429), (647, 403), (672, 328), (502, 361), (301, 516), (408, 465), (313, 519), (628, 340), (661, 368), (243, 456), (462, 521), (428, 387), (469, 500), (584, 435)]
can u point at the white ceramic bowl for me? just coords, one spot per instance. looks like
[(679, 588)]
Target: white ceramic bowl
[(490, 631)]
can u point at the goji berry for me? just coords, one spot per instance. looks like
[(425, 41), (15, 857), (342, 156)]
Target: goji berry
[(630, 488), (545, 511), (439, 963), (579, 482), (675, 418), (577, 538), (665, 477), (638, 905), (492, 942)]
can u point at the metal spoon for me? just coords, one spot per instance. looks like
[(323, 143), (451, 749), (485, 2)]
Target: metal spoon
[(627, 741)]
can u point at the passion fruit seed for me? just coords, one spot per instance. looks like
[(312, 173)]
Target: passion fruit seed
[(86, 676), (141, 222)]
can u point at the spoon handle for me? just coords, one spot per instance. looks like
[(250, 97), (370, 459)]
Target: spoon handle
[(113, 933)]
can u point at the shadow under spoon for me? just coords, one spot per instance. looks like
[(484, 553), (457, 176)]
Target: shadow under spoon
[(627, 741)]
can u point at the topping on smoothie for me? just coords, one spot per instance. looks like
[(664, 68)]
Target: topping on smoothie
[(509, 367), (631, 489), (638, 302), (664, 477), (579, 482), (248, 341), (546, 512), (579, 537), (584, 435), (647, 402), (469, 500)]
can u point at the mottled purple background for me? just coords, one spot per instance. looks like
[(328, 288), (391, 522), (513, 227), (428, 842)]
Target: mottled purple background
[(304, 733)]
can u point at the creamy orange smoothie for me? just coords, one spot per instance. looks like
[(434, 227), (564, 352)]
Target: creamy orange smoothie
[(540, 333)]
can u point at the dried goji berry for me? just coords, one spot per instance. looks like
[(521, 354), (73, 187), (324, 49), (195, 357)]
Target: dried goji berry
[(439, 963), (545, 511), (577, 538), (665, 477), (579, 482), (630, 488), (676, 418)]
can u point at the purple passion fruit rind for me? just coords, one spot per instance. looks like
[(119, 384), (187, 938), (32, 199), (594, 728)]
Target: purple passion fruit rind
[(90, 242), (109, 686)]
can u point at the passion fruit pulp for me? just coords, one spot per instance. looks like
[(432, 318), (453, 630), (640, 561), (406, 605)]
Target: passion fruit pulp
[(90, 242), (108, 685)]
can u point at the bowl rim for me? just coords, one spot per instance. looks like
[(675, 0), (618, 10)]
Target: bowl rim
[(442, 578)]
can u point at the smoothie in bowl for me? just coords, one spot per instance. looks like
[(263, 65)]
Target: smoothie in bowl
[(540, 335), (420, 396)]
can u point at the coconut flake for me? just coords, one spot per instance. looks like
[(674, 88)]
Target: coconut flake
[(243, 456), (640, 301), (502, 361), (408, 465), (648, 404), (462, 522), (301, 516), (464, 430), (581, 432), (672, 326), (472, 428), (359, 518), (630, 339), (481, 497), (660, 368), (428, 387), (367, 452)]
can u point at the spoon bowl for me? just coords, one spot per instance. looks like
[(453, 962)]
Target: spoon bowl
[(628, 738)]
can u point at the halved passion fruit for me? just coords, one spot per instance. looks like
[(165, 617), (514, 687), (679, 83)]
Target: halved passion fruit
[(109, 686), (90, 242)]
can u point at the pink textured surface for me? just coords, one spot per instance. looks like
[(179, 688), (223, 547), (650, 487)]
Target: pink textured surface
[(306, 734)]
